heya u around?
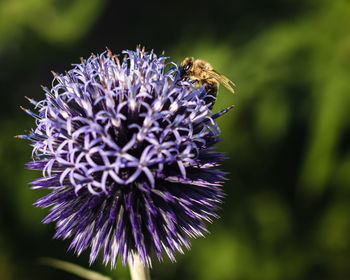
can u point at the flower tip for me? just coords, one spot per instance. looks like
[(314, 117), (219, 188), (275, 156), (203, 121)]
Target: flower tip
[(142, 51), (109, 52), (222, 112), (55, 74), (29, 112), (24, 109), (32, 101)]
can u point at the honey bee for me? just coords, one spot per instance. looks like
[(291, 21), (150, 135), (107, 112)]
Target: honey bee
[(202, 73)]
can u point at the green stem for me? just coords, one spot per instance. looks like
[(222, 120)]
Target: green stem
[(137, 271), (74, 269)]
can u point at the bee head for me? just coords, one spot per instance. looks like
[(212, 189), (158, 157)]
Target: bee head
[(186, 67)]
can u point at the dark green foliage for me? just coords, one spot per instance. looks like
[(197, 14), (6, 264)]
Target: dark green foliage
[(287, 213)]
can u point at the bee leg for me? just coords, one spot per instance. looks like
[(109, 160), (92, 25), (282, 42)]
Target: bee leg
[(211, 87)]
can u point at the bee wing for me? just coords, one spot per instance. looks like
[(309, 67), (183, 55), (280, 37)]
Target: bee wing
[(226, 82)]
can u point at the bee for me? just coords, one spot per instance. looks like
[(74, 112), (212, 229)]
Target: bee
[(200, 72)]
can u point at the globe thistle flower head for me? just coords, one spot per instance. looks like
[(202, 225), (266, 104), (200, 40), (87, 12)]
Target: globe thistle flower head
[(126, 150)]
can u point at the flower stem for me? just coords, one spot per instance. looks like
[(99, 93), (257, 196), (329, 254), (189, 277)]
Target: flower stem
[(137, 271)]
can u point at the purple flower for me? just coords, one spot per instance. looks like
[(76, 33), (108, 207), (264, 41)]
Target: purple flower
[(126, 152)]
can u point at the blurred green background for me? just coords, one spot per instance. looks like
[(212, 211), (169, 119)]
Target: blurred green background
[(287, 213)]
